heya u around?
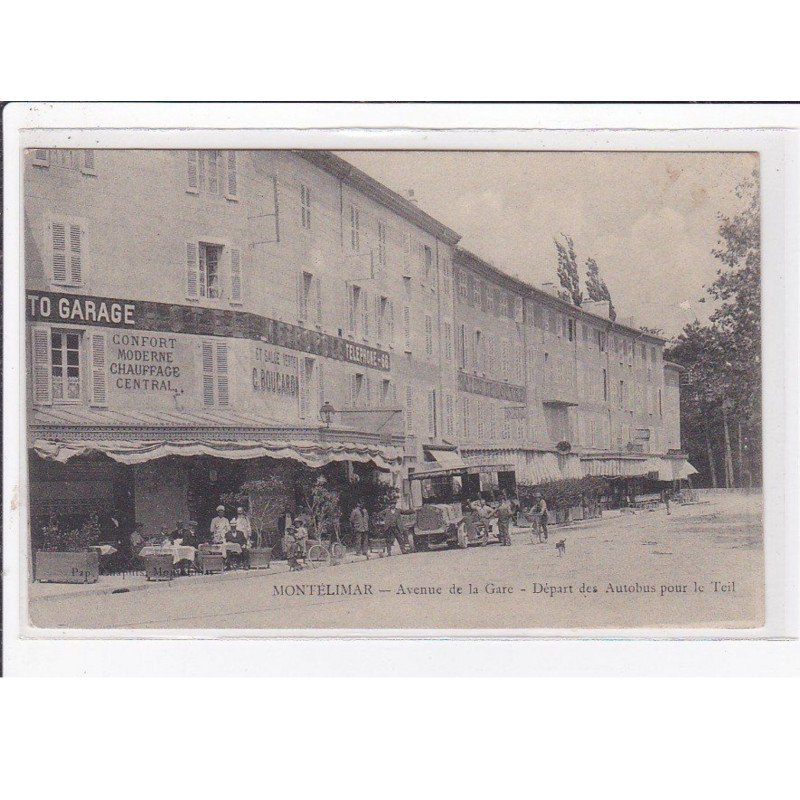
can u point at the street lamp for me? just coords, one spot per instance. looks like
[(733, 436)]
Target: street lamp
[(326, 413)]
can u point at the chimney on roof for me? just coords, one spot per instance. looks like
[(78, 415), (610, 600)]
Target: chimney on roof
[(412, 198), (550, 288)]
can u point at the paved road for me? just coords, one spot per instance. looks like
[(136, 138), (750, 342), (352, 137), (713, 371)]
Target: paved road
[(648, 569)]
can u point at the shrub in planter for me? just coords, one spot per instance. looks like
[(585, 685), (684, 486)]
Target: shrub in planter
[(64, 556), (564, 494)]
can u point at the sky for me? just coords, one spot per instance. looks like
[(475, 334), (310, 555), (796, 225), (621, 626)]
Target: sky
[(649, 219)]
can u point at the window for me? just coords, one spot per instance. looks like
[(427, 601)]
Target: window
[(65, 366), (653, 355), (462, 285), (601, 341), (470, 297), (355, 233), (465, 426), (462, 346), (209, 270), (386, 392), (448, 348), (660, 408), (407, 327), (571, 329), (491, 301), (305, 283), (357, 389), (605, 385), (477, 291), (446, 275), (305, 207), (428, 336), (208, 171), (215, 373), (41, 158), (354, 303), (585, 334), (621, 394), (427, 261), (432, 413), (477, 352), (67, 240), (409, 408), (382, 243), (448, 415)]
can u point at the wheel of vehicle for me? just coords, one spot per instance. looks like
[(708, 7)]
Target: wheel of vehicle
[(338, 552), (318, 556), (420, 544)]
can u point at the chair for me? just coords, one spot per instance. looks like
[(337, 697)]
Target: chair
[(159, 567)]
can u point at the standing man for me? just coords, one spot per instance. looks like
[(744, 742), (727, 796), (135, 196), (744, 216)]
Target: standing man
[(667, 494), (359, 522), (220, 527), (391, 527), (542, 508), (504, 514)]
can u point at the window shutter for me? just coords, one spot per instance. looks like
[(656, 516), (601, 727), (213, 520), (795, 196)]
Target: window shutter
[(236, 276), (301, 304), (213, 172), (41, 158), (351, 308), (321, 382), (88, 162), (409, 408), (201, 170), (407, 254), (365, 314), (97, 343), (208, 373), (232, 178), (191, 171), (42, 386), (192, 276), (378, 317), (302, 384), (59, 239), (390, 322), (318, 293), (76, 254), (222, 374), (353, 390), (407, 326), (367, 392)]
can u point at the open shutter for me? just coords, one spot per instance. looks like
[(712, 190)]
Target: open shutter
[(59, 241), (367, 392), (192, 276), (378, 303), (76, 254), (407, 254), (353, 390), (97, 345), (42, 386), (236, 276), (87, 167), (232, 183), (321, 382), (390, 322), (201, 170), (301, 302), (191, 171), (407, 326), (302, 383), (208, 373), (318, 296), (351, 309), (365, 314), (222, 374)]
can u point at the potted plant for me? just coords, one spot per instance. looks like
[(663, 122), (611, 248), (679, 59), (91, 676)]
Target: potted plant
[(264, 499), (64, 556)]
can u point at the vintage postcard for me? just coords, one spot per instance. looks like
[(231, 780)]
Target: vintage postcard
[(369, 390)]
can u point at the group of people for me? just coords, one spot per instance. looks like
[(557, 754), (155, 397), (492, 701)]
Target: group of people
[(505, 511)]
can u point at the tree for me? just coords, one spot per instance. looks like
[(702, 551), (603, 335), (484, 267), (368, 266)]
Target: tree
[(568, 275), (322, 506), (264, 499), (596, 287), (723, 358)]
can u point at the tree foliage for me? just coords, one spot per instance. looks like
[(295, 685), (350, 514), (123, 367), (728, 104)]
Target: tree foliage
[(263, 498), (722, 382), (596, 287), (568, 275)]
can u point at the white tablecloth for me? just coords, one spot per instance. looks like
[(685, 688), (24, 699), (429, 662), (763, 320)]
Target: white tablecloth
[(179, 552)]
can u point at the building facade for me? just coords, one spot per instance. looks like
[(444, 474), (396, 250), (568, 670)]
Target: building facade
[(190, 312)]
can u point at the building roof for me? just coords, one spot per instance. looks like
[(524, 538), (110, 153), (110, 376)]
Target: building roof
[(354, 177), (468, 259), (351, 175)]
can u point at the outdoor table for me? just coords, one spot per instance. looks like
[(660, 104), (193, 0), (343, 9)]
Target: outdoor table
[(179, 552), (103, 549), (225, 548)]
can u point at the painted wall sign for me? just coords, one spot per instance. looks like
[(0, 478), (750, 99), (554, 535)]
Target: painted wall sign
[(143, 363), (500, 391), (275, 373), (173, 318)]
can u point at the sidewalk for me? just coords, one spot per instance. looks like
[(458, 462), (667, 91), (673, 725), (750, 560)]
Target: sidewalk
[(109, 584)]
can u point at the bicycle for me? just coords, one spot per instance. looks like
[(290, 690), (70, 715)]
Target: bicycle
[(321, 554)]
